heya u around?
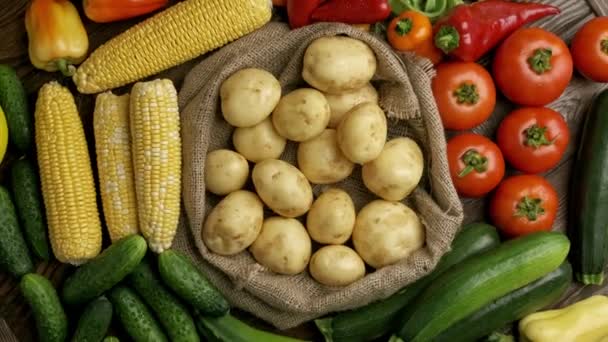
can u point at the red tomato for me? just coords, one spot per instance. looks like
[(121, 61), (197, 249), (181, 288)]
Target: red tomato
[(533, 140), (524, 204), (476, 164), (532, 67), (590, 49), (465, 94)]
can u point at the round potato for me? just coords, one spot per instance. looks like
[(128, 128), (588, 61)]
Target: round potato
[(397, 170), (336, 266), (225, 171), (283, 246), (386, 232), (248, 96), (321, 160), (301, 115), (338, 64), (234, 223), (342, 103), (362, 133), (259, 142), (282, 187), (331, 217)]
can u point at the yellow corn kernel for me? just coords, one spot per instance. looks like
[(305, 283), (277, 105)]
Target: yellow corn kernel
[(157, 159), (66, 176)]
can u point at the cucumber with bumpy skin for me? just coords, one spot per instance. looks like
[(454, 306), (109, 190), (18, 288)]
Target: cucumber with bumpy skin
[(94, 321), (51, 321), (14, 255), (13, 100), (135, 316)]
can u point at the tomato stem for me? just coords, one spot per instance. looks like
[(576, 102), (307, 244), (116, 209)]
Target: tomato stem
[(473, 161), (536, 136), (467, 93), (447, 39), (404, 26), (530, 208), (540, 61), (605, 46)]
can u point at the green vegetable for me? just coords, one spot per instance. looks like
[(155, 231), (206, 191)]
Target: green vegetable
[(229, 329), (434, 9), (172, 314), (26, 191), (104, 271), (94, 321), (135, 316), (14, 255), (476, 282), (51, 321), (190, 284), (377, 319), (13, 101), (498, 337), (111, 339)]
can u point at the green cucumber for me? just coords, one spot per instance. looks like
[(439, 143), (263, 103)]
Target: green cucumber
[(135, 316), (589, 217), (511, 307), (94, 321), (104, 271), (377, 319), (476, 282), (14, 255), (229, 329), (51, 321), (14, 102), (190, 284), (111, 339), (172, 314), (26, 191)]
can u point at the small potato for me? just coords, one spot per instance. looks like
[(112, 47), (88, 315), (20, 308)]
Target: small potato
[(338, 64), (336, 266), (259, 142), (342, 103), (301, 115), (397, 170), (362, 133), (386, 232), (248, 96), (282, 187), (225, 171), (321, 160), (331, 218), (283, 246), (234, 223)]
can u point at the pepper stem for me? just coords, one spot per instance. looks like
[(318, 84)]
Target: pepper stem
[(605, 46), (530, 208), (536, 136), (467, 93), (540, 61), (447, 39), (473, 160), (404, 26), (66, 69)]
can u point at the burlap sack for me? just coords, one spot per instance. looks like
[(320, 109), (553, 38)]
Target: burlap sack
[(404, 88)]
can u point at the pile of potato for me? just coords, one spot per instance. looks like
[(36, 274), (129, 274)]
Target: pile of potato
[(338, 124)]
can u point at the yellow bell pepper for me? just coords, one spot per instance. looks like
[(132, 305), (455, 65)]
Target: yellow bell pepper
[(3, 135), (585, 321), (57, 37)]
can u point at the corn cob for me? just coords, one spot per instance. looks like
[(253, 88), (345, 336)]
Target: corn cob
[(66, 176), (174, 36), (114, 164), (156, 160)]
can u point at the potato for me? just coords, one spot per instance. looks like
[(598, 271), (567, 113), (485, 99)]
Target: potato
[(248, 96), (259, 142), (225, 171), (338, 64), (282, 187), (342, 103), (331, 217), (321, 160), (234, 223), (301, 115), (386, 232), (397, 170), (283, 246), (336, 266), (362, 133)]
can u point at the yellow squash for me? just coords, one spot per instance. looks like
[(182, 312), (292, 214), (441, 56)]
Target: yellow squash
[(3, 135)]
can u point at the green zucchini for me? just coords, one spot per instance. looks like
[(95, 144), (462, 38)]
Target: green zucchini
[(26, 191), (172, 314), (589, 217), (377, 319), (511, 307), (14, 102), (51, 321), (190, 284), (104, 271), (135, 316), (14, 255), (229, 329), (476, 282), (111, 339), (94, 321)]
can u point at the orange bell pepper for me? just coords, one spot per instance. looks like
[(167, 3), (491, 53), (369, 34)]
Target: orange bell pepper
[(105, 11)]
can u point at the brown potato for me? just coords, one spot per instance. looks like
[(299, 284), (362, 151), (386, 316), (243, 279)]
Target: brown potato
[(259, 142), (342, 103), (301, 115), (336, 266), (362, 133), (225, 171), (321, 160), (331, 218)]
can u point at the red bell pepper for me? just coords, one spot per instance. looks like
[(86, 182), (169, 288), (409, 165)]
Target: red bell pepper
[(470, 31), (353, 11), (299, 12)]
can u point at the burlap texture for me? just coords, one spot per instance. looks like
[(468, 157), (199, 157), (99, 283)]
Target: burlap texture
[(406, 97)]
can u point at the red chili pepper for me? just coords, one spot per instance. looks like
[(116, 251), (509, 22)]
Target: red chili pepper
[(470, 31), (353, 11), (299, 12)]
